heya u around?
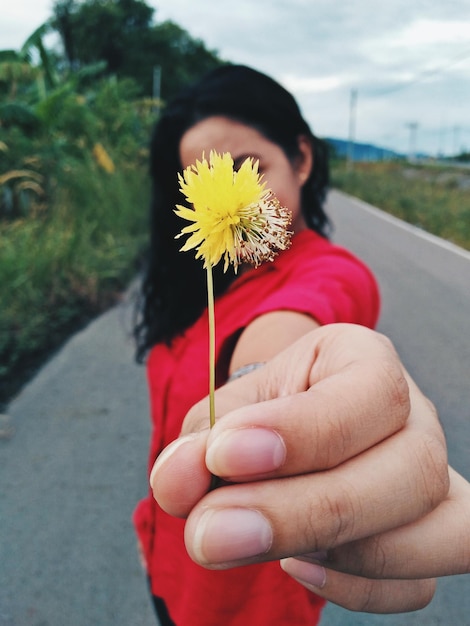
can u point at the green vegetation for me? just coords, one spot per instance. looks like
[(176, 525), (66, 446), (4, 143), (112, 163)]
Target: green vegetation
[(74, 130), (73, 204), (123, 35), (434, 198)]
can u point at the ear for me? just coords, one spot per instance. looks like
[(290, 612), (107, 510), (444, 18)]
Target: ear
[(304, 161)]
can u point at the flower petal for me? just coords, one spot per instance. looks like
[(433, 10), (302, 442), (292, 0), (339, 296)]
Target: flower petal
[(234, 216)]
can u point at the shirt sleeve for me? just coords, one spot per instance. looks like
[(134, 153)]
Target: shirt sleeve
[(335, 287)]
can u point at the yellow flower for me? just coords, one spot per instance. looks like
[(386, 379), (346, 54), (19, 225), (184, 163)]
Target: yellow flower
[(102, 158), (233, 215)]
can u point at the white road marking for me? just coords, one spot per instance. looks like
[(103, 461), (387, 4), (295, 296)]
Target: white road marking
[(387, 217)]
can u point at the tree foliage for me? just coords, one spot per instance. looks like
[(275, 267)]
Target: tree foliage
[(122, 33)]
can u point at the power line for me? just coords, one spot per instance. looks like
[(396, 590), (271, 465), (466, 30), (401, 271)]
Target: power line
[(423, 75)]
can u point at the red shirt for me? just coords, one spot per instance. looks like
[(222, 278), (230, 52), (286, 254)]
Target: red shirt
[(313, 277)]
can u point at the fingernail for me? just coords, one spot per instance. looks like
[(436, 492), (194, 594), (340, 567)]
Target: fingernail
[(168, 452), (246, 451), (227, 535), (309, 574)]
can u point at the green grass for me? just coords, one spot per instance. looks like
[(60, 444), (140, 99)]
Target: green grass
[(61, 267), (433, 198)]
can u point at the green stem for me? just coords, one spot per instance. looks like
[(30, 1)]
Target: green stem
[(210, 308)]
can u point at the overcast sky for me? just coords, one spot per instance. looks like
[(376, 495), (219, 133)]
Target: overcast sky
[(407, 60)]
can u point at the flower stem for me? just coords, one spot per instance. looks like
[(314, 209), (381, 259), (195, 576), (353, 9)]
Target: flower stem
[(210, 309)]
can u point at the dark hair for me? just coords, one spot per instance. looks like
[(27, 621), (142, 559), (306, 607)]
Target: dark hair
[(174, 288)]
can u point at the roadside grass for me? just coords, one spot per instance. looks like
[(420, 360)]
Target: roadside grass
[(61, 267), (436, 199)]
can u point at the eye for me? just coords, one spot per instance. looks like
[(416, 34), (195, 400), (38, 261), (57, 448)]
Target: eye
[(238, 162)]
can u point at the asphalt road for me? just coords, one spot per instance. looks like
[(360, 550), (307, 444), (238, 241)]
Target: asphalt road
[(425, 286), (76, 463), (69, 479)]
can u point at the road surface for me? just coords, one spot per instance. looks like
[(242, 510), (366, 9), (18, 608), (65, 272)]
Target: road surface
[(69, 479), (425, 286), (76, 464)]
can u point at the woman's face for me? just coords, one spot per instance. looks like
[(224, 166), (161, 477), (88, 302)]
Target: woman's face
[(285, 179)]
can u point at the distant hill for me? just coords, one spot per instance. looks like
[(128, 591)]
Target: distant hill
[(361, 151)]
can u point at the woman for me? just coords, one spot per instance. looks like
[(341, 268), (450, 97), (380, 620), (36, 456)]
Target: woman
[(259, 313)]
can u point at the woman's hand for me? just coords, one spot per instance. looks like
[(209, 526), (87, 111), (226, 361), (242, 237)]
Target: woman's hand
[(328, 447), (368, 574)]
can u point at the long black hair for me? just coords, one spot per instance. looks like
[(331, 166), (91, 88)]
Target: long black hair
[(174, 287)]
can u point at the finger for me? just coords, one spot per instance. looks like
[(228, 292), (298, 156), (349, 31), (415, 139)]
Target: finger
[(361, 594), (417, 550), (267, 520), (292, 434), (179, 477), (313, 407), (421, 438)]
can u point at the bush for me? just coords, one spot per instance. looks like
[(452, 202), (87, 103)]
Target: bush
[(73, 219), (60, 269)]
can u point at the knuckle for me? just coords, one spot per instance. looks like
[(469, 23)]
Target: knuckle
[(365, 557), (378, 559), (340, 516), (366, 601), (396, 390), (432, 459), (336, 439)]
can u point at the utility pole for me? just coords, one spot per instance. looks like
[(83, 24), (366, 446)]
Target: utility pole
[(352, 128), (157, 85)]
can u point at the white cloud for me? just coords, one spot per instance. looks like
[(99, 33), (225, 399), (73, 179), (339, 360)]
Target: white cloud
[(421, 45), (425, 32), (307, 85)]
